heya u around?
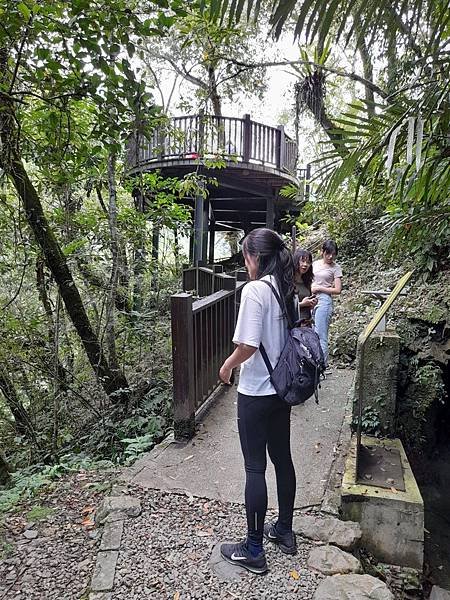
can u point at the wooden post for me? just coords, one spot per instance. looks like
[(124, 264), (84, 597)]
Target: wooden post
[(198, 229), (183, 366), (281, 150), (155, 256), (270, 212), (205, 230), (212, 235), (247, 137), (294, 238)]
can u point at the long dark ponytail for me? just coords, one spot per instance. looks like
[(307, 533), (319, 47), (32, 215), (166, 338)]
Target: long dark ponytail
[(275, 259)]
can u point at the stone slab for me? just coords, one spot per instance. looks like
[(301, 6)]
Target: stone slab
[(119, 507), (352, 587), (330, 560), (104, 571), (438, 593), (223, 570), (328, 530), (100, 596), (211, 465), (392, 521), (112, 535)]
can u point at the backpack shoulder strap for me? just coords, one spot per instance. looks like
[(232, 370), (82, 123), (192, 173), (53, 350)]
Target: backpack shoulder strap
[(284, 311), (265, 358), (280, 302)]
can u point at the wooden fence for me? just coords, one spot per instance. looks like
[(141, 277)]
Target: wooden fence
[(202, 332)]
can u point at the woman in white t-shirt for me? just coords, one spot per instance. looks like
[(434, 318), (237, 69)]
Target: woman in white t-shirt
[(327, 283), (263, 418)]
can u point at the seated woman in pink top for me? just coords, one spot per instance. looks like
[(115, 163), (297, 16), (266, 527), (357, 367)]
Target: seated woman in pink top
[(327, 283)]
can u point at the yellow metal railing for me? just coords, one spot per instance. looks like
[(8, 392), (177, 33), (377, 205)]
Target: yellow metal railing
[(366, 335)]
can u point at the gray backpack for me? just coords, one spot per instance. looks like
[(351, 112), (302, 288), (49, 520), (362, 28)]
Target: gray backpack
[(296, 375)]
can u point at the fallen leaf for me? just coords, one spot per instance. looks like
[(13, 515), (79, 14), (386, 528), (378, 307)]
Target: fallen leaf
[(294, 574), (176, 596), (203, 533), (87, 522), (87, 510), (395, 491)]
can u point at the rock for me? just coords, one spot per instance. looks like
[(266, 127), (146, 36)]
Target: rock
[(330, 560), (438, 593), (223, 569), (116, 508), (100, 596), (329, 530), (30, 534), (352, 587)]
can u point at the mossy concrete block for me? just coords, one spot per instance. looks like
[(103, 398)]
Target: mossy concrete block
[(392, 521), (381, 358)]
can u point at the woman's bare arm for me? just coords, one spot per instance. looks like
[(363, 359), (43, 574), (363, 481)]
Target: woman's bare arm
[(241, 353), (332, 291)]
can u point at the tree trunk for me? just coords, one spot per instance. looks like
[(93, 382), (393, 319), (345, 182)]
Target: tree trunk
[(59, 372), (139, 257), (155, 256), (4, 471), (213, 93), (368, 74), (110, 327), (22, 419), (392, 63), (112, 383)]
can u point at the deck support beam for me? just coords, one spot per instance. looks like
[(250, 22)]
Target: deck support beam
[(270, 212), (155, 256), (198, 229), (205, 230), (212, 236)]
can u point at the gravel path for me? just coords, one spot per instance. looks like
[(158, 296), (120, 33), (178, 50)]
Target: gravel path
[(165, 554), (50, 551)]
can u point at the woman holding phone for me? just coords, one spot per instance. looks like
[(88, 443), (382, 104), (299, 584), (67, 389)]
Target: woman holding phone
[(307, 301)]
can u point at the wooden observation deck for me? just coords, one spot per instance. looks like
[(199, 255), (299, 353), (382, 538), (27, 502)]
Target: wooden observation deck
[(260, 160)]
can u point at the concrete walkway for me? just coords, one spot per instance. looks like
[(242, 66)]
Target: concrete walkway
[(211, 465)]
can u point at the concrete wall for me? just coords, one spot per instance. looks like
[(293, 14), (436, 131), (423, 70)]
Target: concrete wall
[(392, 521), (381, 356)]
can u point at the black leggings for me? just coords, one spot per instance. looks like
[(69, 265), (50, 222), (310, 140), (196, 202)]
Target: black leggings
[(265, 422)]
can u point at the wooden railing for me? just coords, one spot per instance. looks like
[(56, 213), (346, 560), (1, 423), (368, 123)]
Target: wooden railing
[(203, 281), (202, 332), (196, 136)]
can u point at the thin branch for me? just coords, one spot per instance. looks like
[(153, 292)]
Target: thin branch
[(11, 98), (157, 85), (403, 28), (183, 73), (169, 100), (19, 54), (353, 76), (24, 268)]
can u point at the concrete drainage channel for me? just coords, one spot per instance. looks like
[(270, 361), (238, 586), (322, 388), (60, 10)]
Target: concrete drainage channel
[(111, 514)]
